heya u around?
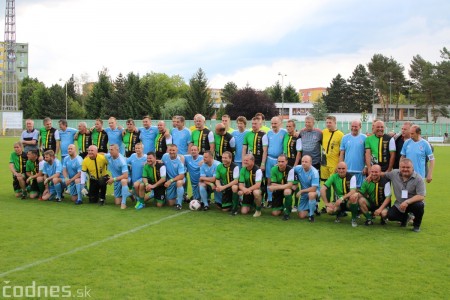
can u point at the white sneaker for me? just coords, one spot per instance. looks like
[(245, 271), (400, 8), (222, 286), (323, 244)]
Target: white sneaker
[(294, 209), (257, 214), (84, 192), (354, 224)]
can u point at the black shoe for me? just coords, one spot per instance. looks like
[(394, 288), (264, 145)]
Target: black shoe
[(24, 196), (234, 213), (101, 202), (58, 199), (269, 204), (317, 212), (416, 229), (368, 222), (206, 208), (323, 210), (286, 217), (383, 221), (178, 207), (78, 202), (311, 219)]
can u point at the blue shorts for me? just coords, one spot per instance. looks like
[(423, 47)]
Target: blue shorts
[(72, 188), (270, 162), (303, 204), (171, 191), (118, 189)]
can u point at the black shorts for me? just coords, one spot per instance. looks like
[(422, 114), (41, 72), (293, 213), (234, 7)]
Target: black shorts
[(159, 194), (16, 185), (227, 198), (277, 199), (248, 200)]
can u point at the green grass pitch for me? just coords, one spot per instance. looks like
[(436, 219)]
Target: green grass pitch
[(108, 253)]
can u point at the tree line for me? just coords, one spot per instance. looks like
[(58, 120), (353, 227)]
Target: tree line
[(162, 96)]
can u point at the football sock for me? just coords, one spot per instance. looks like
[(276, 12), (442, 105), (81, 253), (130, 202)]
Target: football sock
[(125, 194), (203, 195), (78, 187), (312, 207), (180, 193), (235, 199), (354, 210), (58, 190), (368, 216), (287, 204)]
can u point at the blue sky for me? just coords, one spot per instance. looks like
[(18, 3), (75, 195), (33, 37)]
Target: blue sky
[(240, 41)]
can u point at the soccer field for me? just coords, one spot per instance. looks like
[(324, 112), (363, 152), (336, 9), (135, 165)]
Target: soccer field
[(59, 249)]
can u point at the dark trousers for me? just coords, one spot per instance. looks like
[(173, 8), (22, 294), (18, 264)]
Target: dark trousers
[(417, 208), (97, 189)]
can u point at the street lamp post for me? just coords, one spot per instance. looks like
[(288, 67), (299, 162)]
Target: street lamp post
[(282, 93)]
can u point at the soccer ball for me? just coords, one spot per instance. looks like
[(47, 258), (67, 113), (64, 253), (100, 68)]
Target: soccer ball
[(194, 205)]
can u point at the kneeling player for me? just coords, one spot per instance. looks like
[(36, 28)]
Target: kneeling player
[(344, 185), (153, 179), (374, 197), (72, 174), (309, 179), (227, 179), (281, 180), (17, 166), (35, 180), (52, 177), (250, 178)]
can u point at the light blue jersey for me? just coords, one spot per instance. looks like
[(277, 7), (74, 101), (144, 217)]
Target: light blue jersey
[(147, 138), (117, 166), (181, 138), (307, 179), (72, 166), (353, 146), (115, 137), (50, 170), (174, 167), (418, 152), (239, 139), (66, 138), (193, 167), (209, 171), (275, 143), (136, 166)]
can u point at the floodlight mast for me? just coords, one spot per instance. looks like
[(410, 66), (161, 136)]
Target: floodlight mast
[(9, 81)]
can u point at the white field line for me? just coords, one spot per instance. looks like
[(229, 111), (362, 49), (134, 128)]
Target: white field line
[(78, 249)]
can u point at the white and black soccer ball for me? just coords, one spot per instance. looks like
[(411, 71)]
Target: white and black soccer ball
[(194, 205)]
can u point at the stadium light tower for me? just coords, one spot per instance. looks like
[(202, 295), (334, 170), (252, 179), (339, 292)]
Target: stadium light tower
[(9, 82)]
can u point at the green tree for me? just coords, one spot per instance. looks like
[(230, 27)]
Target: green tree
[(174, 107), (360, 90), (117, 104), (389, 79), (336, 99), (100, 97), (198, 97), (247, 102), (27, 103), (275, 92), (290, 94), (135, 105), (228, 91), (319, 110), (55, 107)]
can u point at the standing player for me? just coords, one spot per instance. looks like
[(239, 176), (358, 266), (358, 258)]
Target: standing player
[(224, 141), (227, 180), (419, 151), (114, 133), (352, 152), (250, 177), (239, 136), (30, 137), (226, 121), (175, 174), (399, 141), (260, 117), (84, 139), (117, 165), (202, 137), (162, 140), (130, 137), (52, 177), (72, 174), (181, 136), (49, 137), (148, 134), (331, 142), (309, 179), (66, 136), (292, 144), (100, 137), (207, 179), (17, 166), (281, 180), (153, 179), (380, 149), (255, 143)]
